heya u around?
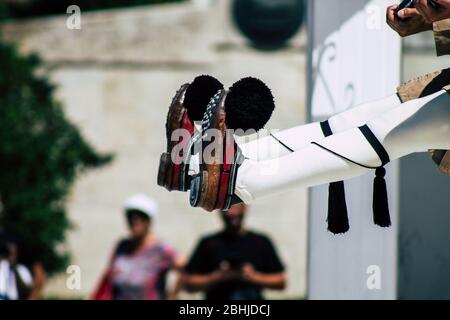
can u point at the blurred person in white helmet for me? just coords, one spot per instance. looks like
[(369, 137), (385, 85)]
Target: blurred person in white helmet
[(140, 263)]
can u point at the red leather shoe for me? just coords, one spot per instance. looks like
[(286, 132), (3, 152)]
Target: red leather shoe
[(247, 105), (187, 106)]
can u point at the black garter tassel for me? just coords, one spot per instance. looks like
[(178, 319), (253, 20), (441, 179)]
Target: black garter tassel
[(381, 216), (337, 209)]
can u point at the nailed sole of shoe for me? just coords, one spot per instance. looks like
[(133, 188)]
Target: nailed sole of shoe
[(173, 176), (165, 170), (205, 186)]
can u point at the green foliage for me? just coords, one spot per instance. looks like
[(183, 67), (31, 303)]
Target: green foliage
[(46, 7), (41, 153), (3, 11)]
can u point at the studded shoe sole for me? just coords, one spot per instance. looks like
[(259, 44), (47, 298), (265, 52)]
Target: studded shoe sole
[(173, 168), (213, 188)]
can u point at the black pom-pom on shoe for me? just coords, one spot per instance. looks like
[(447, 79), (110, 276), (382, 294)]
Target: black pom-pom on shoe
[(249, 105), (198, 95)]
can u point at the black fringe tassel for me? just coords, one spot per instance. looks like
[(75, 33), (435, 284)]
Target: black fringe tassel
[(337, 209), (381, 216)]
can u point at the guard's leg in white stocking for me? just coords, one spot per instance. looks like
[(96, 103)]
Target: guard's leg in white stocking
[(415, 126), (286, 141)]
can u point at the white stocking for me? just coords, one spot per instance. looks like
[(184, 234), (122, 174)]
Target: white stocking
[(415, 126), (296, 138)]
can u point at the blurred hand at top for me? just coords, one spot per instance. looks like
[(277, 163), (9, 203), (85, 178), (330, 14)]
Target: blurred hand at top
[(408, 22), (432, 14)]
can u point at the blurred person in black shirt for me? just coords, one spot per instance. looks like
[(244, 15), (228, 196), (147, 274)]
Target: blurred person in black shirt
[(235, 263)]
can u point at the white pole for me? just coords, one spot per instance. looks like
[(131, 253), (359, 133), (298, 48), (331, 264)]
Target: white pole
[(353, 58)]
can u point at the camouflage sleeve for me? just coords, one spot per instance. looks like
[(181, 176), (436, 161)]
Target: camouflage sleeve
[(442, 36)]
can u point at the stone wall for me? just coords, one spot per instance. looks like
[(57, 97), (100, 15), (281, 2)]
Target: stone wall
[(116, 77)]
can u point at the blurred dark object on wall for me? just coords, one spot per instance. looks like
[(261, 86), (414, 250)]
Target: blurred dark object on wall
[(33, 8), (268, 24)]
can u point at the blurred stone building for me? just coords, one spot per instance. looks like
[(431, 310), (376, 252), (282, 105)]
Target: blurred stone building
[(116, 77)]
